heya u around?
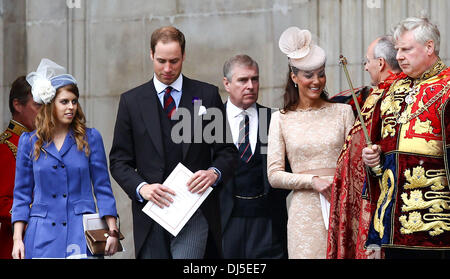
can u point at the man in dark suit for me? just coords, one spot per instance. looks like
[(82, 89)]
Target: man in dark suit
[(253, 214), (144, 152)]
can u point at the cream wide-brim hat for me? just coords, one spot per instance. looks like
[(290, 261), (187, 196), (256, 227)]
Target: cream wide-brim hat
[(303, 54)]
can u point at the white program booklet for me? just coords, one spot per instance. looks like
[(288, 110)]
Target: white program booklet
[(93, 222), (325, 205), (185, 203)]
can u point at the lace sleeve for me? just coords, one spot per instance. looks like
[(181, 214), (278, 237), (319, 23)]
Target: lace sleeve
[(276, 154)]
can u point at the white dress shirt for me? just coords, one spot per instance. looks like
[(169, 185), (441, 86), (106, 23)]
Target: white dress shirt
[(176, 93), (235, 115)]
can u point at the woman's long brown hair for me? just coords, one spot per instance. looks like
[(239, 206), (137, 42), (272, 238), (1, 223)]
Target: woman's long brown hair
[(45, 124)]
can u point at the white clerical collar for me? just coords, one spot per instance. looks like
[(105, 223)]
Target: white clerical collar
[(159, 86), (235, 111)]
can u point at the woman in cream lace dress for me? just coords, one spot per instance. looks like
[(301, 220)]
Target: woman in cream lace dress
[(309, 132)]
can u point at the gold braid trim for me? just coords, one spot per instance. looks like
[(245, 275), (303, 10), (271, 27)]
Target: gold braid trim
[(387, 190), (14, 127), (4, 140), (17, 128), (12, 147), (3, 137)]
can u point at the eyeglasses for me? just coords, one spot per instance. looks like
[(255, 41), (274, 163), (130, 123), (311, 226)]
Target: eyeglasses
[(365, 61)]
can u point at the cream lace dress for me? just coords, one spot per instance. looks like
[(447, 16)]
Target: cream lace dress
[(311, 139)]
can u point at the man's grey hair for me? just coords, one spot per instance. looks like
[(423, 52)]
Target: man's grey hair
[(423, 30), (385, 49), (241, 60)]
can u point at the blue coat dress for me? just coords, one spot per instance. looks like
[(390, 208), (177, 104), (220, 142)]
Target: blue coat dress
[(58, 186)]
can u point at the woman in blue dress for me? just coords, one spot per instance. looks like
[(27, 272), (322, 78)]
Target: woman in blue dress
[(59, 166)]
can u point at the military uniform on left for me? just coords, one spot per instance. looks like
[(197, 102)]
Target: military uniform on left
[(9, 140)]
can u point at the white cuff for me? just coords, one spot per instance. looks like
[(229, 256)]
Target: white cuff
[(138, 195)]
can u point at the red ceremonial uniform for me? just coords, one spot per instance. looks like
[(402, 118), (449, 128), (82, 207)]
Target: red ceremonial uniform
[(8, 149), (349, 213), (411, 207)]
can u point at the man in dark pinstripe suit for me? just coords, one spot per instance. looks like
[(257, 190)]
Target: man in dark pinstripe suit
[(144, 153)]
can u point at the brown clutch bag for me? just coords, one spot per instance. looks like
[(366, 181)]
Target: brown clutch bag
[(96, 241)]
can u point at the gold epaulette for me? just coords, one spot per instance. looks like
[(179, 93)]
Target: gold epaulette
[(4, 140), (12, 147), (14, 127), (4, 136)]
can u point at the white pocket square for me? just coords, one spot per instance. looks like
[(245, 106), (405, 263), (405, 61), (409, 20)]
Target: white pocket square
[(201, 110)]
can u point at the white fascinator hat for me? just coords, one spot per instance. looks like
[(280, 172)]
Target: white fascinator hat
[(48, 77), (302, 52)]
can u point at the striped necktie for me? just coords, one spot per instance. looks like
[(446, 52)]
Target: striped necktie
[(245, 150), (169, 102)]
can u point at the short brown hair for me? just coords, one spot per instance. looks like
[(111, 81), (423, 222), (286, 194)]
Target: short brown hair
[(20, 90), (168, 34)]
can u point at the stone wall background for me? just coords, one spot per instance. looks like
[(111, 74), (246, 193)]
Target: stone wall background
[(105, 45)]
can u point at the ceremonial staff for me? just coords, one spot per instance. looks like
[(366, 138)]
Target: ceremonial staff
[(343, 62)]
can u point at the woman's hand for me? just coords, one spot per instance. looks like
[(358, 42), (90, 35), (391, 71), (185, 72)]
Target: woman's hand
[(112, 245), (18, 251), (322, 186), (112, 242)]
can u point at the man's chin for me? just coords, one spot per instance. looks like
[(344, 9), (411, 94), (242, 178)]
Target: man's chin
[(167, 79), (406, 70), (411, 74)]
